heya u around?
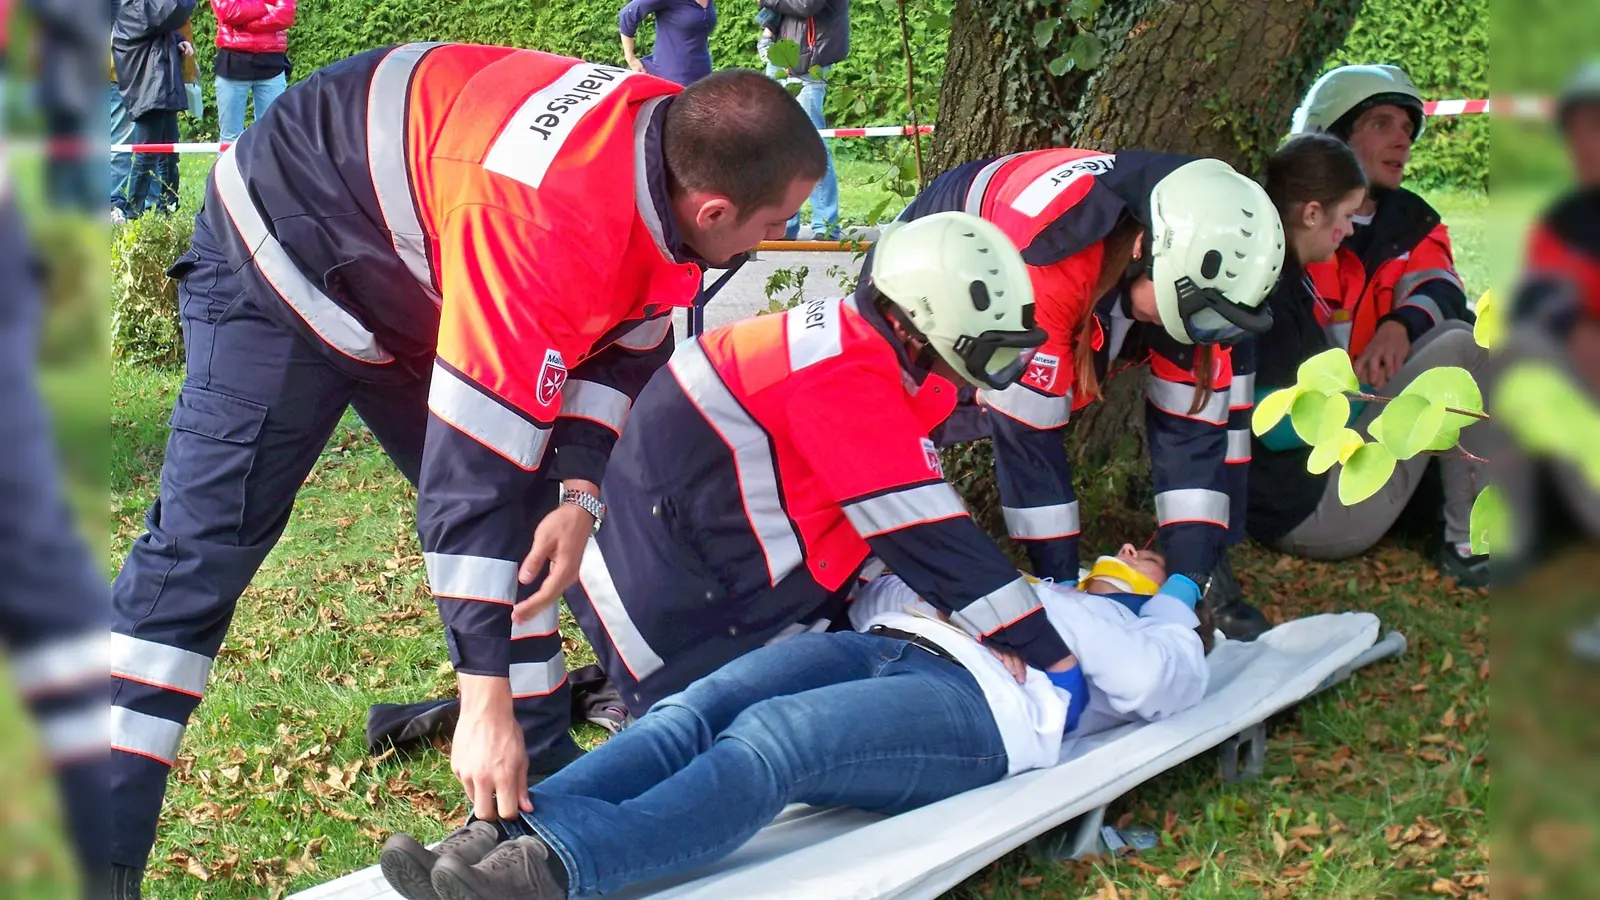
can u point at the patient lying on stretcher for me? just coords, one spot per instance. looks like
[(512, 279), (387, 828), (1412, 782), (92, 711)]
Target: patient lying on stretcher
[(904, 711)]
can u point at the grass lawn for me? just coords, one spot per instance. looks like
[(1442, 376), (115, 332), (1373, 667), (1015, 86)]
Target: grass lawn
[(1376, 788)]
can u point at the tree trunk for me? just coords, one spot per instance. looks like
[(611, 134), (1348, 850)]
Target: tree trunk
[(1211, 77)]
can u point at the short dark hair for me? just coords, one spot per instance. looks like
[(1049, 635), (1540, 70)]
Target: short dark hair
[(740, 134), (1312, 168)]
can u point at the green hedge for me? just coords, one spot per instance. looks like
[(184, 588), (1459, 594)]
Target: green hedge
[(329, 30), (1444, 46)]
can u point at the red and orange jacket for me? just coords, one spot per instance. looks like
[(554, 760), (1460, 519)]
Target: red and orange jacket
[(1400, 267), (1561, 273), (765, 463), (253, 26), (473, 215)]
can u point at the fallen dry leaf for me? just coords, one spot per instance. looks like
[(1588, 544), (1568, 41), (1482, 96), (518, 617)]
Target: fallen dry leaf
[(1279, 844), (1167, 881), (1306, 831), (1189, 864), (1031, 881), (1449, 719), (1446, 886), (1448, 664)]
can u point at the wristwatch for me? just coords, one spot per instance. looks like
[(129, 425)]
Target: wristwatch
[(587, 502)]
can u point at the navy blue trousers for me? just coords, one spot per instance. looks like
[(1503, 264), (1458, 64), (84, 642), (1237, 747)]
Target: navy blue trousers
[(256, 409), (53, 603)]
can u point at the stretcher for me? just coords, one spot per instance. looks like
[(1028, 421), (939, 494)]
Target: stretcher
[(836, 853)]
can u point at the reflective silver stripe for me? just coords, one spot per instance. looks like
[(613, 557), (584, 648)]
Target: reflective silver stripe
[(902, 509), (595, 402), (386, 159), (135, 732), (635, 652), (1041, 523), (546, 622), (752, 455), (78, 732), (471, 577), (980, 184), (330, 321), (986, 615), (1030, 407), (472, 412), (647, 335), (1239, 445), (60, 664), (1426, 304), (642, 198), (538, 679), (1175, 397), (160, 665), (1192, 505), (1407, 284), (1242, 394)]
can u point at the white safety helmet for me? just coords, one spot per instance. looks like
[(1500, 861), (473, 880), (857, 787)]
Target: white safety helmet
[(1584, 87), (959, 282), (1215, 251), (1338, 97)]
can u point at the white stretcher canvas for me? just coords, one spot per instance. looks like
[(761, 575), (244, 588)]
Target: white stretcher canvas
[(815, 853)]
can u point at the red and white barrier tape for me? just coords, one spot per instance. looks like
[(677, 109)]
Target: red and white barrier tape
[(1515, 107)]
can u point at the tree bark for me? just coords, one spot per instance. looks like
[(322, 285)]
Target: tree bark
[(1215, 78)]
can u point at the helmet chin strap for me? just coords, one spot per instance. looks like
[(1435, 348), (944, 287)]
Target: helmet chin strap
[(925, 356)]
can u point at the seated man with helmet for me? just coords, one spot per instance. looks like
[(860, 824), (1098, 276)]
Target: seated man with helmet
[(958, 672), (1389, 295)]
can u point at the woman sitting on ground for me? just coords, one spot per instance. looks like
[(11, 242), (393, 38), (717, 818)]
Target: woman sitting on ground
[(906, 711), (1316, 183)]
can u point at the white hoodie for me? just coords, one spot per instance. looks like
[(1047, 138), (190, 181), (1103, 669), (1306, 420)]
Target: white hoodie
[(1143, 666)]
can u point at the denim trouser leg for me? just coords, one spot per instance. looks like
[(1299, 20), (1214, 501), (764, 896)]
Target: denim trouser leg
[(152, 171), (834, 719), (121, 132), (825, 196), (233, 95)]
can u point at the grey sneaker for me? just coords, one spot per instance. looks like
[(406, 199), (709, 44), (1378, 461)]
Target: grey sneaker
[(408, 866), (518, 869)]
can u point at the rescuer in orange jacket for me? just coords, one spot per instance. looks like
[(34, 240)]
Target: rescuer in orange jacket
[(1556, 320), (771, 457), (1394, 279), (1134, 256), (480, 249)]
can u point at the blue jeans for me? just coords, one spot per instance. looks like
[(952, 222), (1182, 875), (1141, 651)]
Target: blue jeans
[(231, 98), (839, 719), (121, 132), (825, 196), (153, 183)]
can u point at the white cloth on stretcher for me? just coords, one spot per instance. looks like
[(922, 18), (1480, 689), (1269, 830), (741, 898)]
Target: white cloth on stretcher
[(842, 854)]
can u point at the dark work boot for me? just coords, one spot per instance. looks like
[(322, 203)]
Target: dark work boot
[(125, 881), (1230, 614), (520, 869), (408, 866)]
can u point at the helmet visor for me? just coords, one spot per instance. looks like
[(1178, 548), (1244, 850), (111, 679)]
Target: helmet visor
[(1211, 318), (998, 358)]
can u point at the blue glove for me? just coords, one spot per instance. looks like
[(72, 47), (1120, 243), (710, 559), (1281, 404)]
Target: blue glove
[(1073, 683), (1182, 589)]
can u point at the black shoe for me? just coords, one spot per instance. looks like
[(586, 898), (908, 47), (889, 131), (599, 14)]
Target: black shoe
[(125, 881), (1240, 621), (1468, 571), (408, 866), (521, 869), (1230, 614)]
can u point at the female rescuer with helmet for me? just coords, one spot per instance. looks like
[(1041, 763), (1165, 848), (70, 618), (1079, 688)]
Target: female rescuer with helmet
[(1134, 256)]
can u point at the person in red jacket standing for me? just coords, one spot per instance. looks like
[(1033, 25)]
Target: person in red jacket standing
[(252, 58)]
